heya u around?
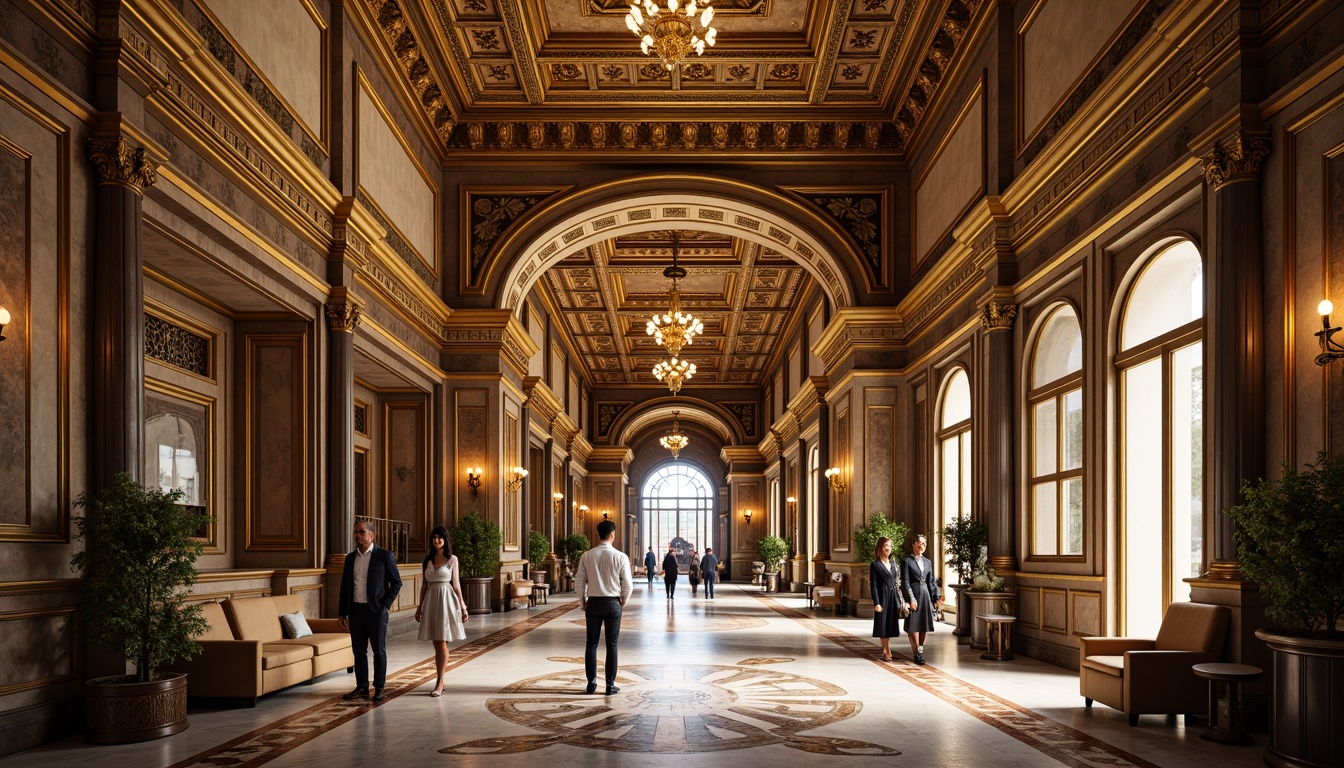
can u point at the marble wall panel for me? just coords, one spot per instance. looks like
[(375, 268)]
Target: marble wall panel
[(953, 179), (749, 494), (1029, 607), (469, 438), (1056, 45), (285, 41), (1087, 613), (879, 443), (845, 515), (39, 648), (385, 169), (406, 472), (512, 510), (277, 453), (1055, 610)]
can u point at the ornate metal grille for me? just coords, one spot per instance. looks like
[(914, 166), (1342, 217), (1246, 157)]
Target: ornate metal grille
[(174, 345), (362, 419)]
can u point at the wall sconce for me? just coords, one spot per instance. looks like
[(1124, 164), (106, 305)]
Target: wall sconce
[(792, 503), (474, 479), (583, 511), (606, 515), (4, 320), (746, 515), (1330, 349), (833, 477), (519, 475), (559, 499)]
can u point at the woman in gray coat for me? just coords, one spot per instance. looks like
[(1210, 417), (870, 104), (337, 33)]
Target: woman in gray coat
[(921, 594)]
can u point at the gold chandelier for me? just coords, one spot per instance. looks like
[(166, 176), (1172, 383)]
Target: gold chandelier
[(672, 32), (674, 373), (674, 329), (675, 441)]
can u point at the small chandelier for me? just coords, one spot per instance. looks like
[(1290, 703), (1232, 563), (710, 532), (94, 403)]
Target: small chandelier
[(675, 329), (674, 373), (672, 32), (675, 441)]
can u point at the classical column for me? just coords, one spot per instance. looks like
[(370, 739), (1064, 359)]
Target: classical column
[(998, 507), (343, 316), (1234, 331), (823, 518), (123, 174), (548, 486), (506, 475)]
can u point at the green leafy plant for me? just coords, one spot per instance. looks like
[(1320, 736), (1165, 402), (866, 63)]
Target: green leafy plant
[(139, 554), (963, 539), (983, 577), (771, 549), (538, 547), (575, 544), (866, 536), (1290, 541), (477, 541)]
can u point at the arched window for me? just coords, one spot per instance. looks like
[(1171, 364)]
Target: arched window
[(1160, 369), (954, 457), (679, 504), (1055, 404)]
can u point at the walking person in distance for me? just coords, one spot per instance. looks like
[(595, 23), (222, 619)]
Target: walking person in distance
[(442, 612), (921, 594), (709, 571), (670, 571), (603, 583), (650, 565)]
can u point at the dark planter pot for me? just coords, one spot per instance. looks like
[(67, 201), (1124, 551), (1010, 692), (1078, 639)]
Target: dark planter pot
[(963, 629), (1307, 702), (986, 602), (772, 582), (125, 713), (477, 594), (539, 575)]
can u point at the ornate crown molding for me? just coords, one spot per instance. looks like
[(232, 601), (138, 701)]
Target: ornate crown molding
[(390, 18), (1239, 157), (490, 333), (675, 136), (811, 396), (998, 316), (941, 53), (541, 399), (115, 162), (855, 329), (343, 315)]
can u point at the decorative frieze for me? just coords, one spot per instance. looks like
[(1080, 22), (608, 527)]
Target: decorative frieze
[(689, 136), (387, 14), (996, 316), (745, 413), (116, 162), (607, 413), (941, 52), (1236, 158), (343, 316), (861, 216)]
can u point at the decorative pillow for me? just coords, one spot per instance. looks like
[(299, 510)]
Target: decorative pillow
[(294, 625)]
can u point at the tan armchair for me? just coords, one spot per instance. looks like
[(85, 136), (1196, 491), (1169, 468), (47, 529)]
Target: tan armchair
[(1153, 677)]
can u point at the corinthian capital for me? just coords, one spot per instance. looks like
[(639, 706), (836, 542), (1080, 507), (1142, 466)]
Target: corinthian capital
[(116, 162), (996, 316), (1236, 158), (343, 316)]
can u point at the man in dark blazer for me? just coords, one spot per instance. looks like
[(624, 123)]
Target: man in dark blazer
[(709, 571), (369, 588)]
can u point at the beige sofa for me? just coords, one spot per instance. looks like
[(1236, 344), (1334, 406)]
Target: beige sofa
[(245, 653)]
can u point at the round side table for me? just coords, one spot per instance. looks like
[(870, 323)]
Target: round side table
[(999, 631), (1225, 700)]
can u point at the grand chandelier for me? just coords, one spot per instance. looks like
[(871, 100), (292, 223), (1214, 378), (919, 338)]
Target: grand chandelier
[(674, 373), (675, 441), (674, 329), (674, 31)]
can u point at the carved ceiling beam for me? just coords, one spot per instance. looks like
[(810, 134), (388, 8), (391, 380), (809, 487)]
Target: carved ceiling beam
[(405, 47)]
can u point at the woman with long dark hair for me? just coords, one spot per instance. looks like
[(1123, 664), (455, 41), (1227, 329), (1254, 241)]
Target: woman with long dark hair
[(884, 579), (442, 612)]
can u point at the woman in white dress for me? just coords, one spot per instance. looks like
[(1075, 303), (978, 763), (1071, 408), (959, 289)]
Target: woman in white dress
[(442, 612)]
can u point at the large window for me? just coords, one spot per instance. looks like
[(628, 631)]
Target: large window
[(954, 457), (1161, 377), (1055, 403), (679, 507)]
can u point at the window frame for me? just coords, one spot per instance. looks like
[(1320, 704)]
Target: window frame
[(1055, 390), (960, 431)]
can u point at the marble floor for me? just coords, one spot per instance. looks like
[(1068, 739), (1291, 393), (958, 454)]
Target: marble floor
[(746, 677)]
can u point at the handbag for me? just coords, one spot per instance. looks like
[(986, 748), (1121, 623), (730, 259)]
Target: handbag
[(905, 610)]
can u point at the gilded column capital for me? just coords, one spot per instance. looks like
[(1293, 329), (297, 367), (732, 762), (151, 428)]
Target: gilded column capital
[(116, 162), (343, 316), (1238, 157), (996, 316)]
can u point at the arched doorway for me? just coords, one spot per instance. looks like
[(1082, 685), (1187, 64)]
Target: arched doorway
[(677, 503)]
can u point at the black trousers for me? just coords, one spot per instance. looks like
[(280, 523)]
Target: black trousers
[(368, 626), (671, 582), (709, 584), (602, 612)]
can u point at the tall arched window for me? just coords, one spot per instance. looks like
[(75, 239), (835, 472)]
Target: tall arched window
[(954, 457), (1055, 403), (679, 504), (1161, 375)]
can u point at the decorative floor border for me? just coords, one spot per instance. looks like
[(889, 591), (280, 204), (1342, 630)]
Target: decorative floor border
[(1050, 737), (270, 741)]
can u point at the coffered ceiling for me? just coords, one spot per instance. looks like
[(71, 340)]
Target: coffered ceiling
[(744, 295)]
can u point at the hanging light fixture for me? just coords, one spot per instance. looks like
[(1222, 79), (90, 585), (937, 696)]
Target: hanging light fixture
[(673, 31), (675, 329), (674, 373), (675, 441)]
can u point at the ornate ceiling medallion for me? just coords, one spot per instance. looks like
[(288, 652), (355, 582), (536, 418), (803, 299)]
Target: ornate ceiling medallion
[(672, 33), (675, 329), (675, 441), (674, 373)]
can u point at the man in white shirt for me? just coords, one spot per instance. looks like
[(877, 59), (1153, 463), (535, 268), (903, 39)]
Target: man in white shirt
[(603, 584)]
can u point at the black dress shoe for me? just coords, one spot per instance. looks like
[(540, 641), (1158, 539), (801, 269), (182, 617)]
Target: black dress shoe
[(919, 659), (592, 688), (612, 690), (378, 694), (358, 693)]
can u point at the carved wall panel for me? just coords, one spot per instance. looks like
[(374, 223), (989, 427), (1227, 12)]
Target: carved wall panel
[(1088, 618), (512, 511), (470, 430), (406, 468), (1054, 610), (278, 434), (879, 442)]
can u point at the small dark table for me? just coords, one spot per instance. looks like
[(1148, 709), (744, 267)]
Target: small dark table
[(1000, 636), (1225, 700), (809, 586)]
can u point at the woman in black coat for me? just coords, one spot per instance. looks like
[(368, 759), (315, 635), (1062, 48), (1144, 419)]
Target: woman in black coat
[(670, 569), (884, 578), (921, 594)]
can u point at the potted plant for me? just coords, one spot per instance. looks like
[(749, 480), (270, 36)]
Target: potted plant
[(986, 595), (963, 539), (573, 546), (1290, 541), (538, 547), (476, 542), (139, 556), (771, 550)]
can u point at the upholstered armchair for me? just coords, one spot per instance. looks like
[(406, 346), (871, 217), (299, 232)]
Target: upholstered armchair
[(1153, 677)]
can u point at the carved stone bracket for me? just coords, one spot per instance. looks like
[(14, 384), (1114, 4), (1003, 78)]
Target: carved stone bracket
[(343, 316), (115, 162), (996, 316), (1236, 158)]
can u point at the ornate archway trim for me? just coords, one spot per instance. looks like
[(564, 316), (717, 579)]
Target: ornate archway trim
[(641, 417)]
